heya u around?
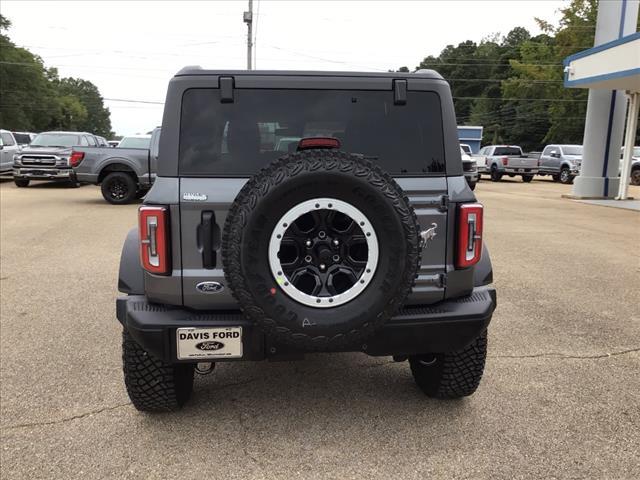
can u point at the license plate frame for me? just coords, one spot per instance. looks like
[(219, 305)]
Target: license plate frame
[(205, 343)]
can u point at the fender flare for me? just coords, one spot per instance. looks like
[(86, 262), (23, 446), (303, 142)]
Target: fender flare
[(483, 271), (131, 275), (118, 161)]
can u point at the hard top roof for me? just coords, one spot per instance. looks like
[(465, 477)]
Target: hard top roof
[(197, 70)]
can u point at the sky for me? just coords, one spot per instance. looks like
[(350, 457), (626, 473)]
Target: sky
[(130, 50)]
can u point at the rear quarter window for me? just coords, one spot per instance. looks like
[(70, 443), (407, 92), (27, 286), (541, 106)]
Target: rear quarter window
[(237, 139)]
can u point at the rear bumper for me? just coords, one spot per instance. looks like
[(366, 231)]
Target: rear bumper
[(442, 327), (521, 170), (35, 173)]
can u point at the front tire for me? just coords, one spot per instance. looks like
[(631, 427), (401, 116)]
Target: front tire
[(527, 178), (152, 385), (565, 176), (635, 177), (119, 188), (21, 182), (451, 375)]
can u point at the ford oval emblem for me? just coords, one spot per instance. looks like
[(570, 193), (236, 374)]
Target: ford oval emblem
[(207, 346), (209, 287)]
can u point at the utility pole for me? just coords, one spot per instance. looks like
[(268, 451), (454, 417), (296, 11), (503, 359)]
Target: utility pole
[(248, 19)]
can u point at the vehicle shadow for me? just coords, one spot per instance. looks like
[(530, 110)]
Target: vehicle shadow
[(45, 185), (322, 393)]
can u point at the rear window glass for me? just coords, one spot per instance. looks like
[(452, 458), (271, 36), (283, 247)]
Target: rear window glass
[(55, 140), (237, 139), (507, 151), (135, 142), (572, 150), (22, 138)]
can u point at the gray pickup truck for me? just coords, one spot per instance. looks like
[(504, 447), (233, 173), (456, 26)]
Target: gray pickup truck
[(49, 157), (361, 236), (124, 174), (508, 160)]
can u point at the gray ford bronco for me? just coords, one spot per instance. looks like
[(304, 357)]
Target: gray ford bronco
[(298, 212)]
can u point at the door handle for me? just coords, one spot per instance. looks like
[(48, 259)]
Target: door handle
[(209, 234)]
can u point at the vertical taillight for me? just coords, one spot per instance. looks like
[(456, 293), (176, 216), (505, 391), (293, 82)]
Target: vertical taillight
[(154, 239), (76, 158), (469, 234), (505, 160)]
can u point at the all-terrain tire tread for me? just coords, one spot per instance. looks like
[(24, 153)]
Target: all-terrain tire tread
[(459, 373), (273, 175), (152, 385)]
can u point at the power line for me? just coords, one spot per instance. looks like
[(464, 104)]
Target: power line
[(133, 101)]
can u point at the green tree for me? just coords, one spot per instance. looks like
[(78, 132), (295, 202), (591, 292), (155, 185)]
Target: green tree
[(97, 119), (33, 97), (73, 114), (27, 97)]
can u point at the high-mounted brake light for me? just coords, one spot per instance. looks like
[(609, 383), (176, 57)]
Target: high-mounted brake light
[(505, 160), (469, 248), (154, 239), (318, 142), (76, 158)]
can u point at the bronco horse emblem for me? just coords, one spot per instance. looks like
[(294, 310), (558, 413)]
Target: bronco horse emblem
[(428, 234)]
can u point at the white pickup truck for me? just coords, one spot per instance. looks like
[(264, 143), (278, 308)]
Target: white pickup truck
[(508, 160)]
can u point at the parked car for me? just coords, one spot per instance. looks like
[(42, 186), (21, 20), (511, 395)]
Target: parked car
[(135, 141), (562, 162), (635, 165), (24, 138), (469, 168), (8, 148), (368, 240), (481, 164), (508, 160), (124, 174), (48, 157), (113, 143)]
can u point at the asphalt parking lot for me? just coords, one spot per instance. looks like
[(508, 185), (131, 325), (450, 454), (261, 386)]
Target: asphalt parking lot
[(560, 397)]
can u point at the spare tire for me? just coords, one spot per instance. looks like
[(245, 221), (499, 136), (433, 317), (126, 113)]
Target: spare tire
[(320, 249)]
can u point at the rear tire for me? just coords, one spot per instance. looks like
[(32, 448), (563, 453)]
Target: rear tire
[(495, 175), (152, 385), (119, 188), (21, 182), (527, 178), (451, 375)]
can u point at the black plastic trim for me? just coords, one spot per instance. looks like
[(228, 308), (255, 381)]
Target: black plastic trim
[(441, 327), (131, 275), (226, 89)]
